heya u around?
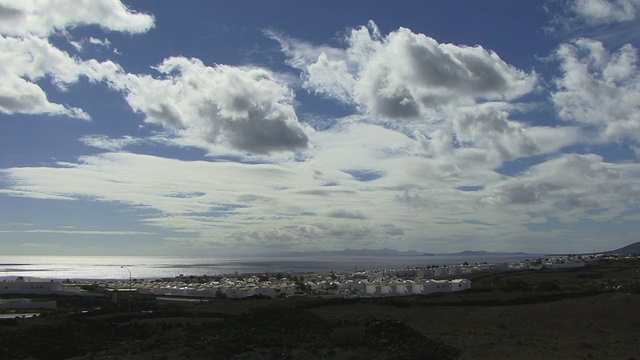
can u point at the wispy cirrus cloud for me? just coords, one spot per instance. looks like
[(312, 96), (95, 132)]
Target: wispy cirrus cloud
[(78, 232), (111, 144)]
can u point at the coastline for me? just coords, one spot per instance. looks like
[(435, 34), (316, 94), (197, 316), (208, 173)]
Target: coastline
[(150, 267)]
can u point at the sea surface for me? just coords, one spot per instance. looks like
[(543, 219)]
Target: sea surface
[(146, 267)]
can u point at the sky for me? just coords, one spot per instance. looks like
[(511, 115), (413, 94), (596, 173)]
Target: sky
[(231, 128)]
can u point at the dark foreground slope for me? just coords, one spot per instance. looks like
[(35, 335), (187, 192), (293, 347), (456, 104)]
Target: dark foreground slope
[(582, 317)]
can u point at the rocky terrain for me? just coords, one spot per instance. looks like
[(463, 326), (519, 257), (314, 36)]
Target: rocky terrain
[(589, 313)]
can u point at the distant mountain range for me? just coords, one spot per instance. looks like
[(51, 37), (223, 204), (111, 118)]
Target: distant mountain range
[(386, 252), (358, 252), (484, 253)]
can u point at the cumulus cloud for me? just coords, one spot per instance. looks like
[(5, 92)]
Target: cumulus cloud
[(491, 129), (18, 96), (245, 109), (450, 97), (404, 74), (42, 18), (26, 56), (29, 59), (570, 184), (599, 89), (26, 60), (487, 134), (33, 58)]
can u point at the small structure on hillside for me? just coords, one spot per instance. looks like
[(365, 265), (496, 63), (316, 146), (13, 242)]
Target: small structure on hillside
[(26, 304)]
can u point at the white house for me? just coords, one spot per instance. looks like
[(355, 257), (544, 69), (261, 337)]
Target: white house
[(460, 284), (22, 286), (240, 291), (413, 288), (397, 288), (382, 289)]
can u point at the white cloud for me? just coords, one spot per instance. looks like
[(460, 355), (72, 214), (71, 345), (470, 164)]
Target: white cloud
[(26, 56), (244, 109), (357, 179), (491, 129), (26, 60), (44, 17), (434, 127), (34, 194), (596, 12), (611, 21), (599, 89), (301, 204), (570, 185), (79, 232), (80, 45), (331, 78), (449, 96), (404, 75), (214, 200), (111, 144), (40, 245), (104, 42)]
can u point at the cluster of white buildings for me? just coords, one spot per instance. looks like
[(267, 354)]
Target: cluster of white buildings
[(345, 285), (564, 262), (234, 288), (444, 271), (226, 287), (392, 287), (426, 272)]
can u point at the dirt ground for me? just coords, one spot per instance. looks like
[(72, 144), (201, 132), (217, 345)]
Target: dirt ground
[(605, 326)]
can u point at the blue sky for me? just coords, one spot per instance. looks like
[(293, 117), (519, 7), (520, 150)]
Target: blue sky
[(251, 127)]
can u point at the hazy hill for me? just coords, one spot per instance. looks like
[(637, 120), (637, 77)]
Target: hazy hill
[(359, 252), (632, 249), (483, 253), (386, 252)]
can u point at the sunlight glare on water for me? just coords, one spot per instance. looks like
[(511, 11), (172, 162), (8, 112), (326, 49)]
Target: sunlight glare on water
[(141, 267)]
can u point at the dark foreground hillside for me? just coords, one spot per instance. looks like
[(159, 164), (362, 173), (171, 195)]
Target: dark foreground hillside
[(589, 313)]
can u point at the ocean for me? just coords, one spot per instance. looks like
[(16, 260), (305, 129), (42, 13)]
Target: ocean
[(146, 267)]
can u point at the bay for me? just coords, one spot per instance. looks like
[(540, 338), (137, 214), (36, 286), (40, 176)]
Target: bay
[(147, 267)]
